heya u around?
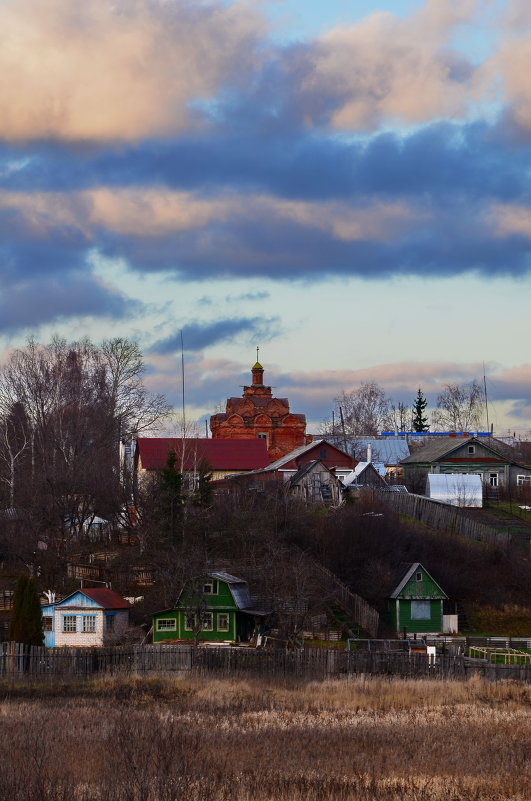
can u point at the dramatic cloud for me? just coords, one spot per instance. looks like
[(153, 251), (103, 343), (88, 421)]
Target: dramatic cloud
[(387, 68), (101, 71)]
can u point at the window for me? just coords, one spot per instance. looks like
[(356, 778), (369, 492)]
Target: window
[(69, 623), (166, 624), (471, 448), (89, 623), (210, 587), (223, 621), (522, 481), (323, 453), (418, 577), (109, 622), (189, 621), (262, 435), (47, 623), (420, 610), (493, 479), (207, 622)]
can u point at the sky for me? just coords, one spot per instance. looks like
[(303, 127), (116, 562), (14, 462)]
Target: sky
[(345, 185)]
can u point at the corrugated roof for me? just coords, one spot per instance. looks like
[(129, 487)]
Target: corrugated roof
[(390, 451), (218, 454), (106, 598), (436, 448)]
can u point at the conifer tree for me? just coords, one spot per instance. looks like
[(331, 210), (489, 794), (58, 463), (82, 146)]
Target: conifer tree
[(26, 621), (420, 423)]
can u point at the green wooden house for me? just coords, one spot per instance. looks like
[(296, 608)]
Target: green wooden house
[(216, 609), (416, 603)]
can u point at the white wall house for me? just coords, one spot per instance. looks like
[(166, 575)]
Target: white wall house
[(84, 618)]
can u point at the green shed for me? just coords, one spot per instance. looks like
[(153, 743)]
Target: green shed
[(218, 608), (416, 603)]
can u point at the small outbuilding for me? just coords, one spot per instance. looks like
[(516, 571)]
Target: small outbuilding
[(415, 605), (457, 489)]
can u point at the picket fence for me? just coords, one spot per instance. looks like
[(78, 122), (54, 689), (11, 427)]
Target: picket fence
[(21, 661)]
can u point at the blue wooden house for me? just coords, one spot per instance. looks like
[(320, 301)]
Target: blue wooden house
[(84, 618)]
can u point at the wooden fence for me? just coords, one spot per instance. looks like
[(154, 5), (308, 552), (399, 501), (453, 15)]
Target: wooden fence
[(19, 661), (445, 517)]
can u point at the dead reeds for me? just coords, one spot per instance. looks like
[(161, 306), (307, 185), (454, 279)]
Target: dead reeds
[(347, 740)]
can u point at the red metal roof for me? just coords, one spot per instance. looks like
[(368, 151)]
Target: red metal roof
[(218, 454), (106, 598)]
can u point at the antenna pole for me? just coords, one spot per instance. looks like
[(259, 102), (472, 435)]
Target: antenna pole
[(486, 401)]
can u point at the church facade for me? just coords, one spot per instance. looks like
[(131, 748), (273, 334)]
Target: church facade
[(258, 415)]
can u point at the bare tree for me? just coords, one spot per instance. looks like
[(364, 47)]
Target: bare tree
[(363, 412), (459, 407), (77, 400)]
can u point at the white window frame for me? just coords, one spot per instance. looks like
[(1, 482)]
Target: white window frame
[(496, 477), (69, 624), (189, 621), (162, 621), (523, 481), (207, 621), (211, 587), (418, 576), (221, 615), (88, 624)]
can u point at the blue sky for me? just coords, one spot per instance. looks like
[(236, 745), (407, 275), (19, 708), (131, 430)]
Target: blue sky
[(344, 184)]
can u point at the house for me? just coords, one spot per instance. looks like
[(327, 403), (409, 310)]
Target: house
[(220, 457), (415, 604), (457, 489), (217, 608), (366, 474), (388, 451), (495, 462), (84, 618), (314, 482), (311, 472), (258, 415)]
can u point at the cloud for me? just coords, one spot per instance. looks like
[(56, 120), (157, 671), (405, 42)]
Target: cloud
[(27, 305), (388, 68), (197, 336), (125, 70)]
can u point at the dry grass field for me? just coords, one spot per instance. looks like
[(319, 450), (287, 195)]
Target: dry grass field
[(211, 740)]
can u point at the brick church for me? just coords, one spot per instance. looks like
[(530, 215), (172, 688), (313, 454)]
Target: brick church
[(257, 414)]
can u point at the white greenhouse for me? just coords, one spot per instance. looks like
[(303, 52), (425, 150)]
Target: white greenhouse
[(458, 489)]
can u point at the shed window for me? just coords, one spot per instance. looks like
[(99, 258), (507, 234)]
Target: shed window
[(223, 621), (522, 481), (420, 610), (166, 624), (69, 623), (109, 622), (89, 623), (418, 577), (210, 587), (47, 623), (471, 448)]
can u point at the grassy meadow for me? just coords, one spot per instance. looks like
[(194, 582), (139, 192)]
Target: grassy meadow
[(160, 739)]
